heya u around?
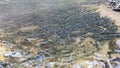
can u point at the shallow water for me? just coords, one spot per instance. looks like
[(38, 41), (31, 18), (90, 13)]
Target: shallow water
[(50, 33)]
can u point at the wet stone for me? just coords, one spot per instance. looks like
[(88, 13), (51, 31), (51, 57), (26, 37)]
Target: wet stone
[(14, 54), (39, 66), (66, 51), (25, 64), (40, 57), (5, 65), (31, 41), (76, 66)]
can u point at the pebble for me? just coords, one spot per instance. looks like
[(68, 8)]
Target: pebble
[(25, 64), (118, 51), (50, 64), (15, 54), (40, 57), (4, 65), (76, 66)]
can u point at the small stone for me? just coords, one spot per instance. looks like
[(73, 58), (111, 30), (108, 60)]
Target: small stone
[(15, 54), (50, 64), (40, 43), (40, 57), (30, 41), (4, 65), (1, 66), (118, 66), (76, 66), (25, 64), (39, 66), (117, 42), (118, 51)]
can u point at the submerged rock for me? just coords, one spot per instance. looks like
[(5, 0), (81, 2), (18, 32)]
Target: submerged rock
[(40, 57), (114, 62), (5, 65), (41, 43), (4, 1), (25, 64), (14, 54), (34, 62), (50, 64), (114, 44), (30, 41), (39, 66), (76, 66)]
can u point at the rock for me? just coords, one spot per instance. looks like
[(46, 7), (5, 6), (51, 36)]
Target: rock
[(92, 64), (40, 43), (30, 41), (117, 66), (115, 62), (88, 46), (7, 45), (97, 64), (117, 42), (66, 51), (34, 62), (4, 1), (114, 44), (40, 57), (99, 57), (1, 66), (50, 65), (39, 66), (118, 51), (14, 54), (76, 66), (5, 65), (25, 64), (30, 63), (57, 65)]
